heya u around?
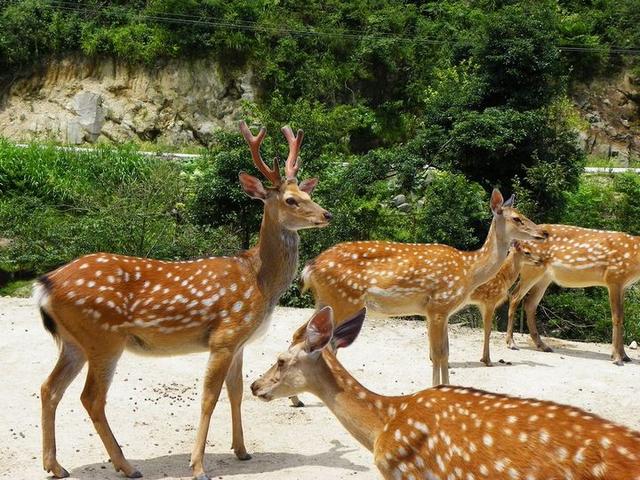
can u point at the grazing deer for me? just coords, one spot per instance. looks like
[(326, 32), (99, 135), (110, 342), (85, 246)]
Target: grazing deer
[(101, 304), (432, 280), (489, 296), (579, 257), (450, 432)]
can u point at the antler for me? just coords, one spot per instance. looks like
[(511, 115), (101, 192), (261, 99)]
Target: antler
[(294, 141), (273, 175)]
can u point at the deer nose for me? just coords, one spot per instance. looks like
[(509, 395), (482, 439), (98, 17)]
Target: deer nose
[(327, 215), (254, 387)]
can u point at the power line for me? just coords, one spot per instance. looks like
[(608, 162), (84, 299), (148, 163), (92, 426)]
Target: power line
[(243, 25)]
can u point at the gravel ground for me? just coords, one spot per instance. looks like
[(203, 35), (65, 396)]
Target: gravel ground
[(154, 402)]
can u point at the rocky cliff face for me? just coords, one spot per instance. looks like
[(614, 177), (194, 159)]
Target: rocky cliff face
[(77, 100), (611, 108)]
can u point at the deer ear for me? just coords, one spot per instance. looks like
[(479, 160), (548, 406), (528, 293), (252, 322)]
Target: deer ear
[(497, 202), (510, 201), (517, 246), (345, 334), (308, 185), (319, 330), (252, 186)]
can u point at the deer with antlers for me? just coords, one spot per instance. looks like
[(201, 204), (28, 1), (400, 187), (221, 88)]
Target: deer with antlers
[(577, 257), (432, 280), (489, 296), (450, 432), (99, 305)]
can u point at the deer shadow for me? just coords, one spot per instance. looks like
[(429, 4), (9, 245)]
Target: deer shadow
[(569, 352), (223, 465), (497, 364)]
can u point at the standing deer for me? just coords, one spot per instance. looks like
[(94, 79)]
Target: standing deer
[(489, 296), (579, 257), (450, 432), (432, 280), (99, 305)]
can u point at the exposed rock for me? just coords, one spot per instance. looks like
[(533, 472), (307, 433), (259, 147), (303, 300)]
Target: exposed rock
[(399, 200), (633, 345), (611, 108), (405, 207), (77, 100)]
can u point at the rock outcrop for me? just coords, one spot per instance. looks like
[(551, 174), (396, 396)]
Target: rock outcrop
[(611, 108), (77, 100)]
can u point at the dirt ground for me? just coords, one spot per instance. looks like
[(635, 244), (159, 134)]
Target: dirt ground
[(154, 402)]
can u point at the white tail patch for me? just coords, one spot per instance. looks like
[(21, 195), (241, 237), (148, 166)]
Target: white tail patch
[(306, 277), (40, 295)]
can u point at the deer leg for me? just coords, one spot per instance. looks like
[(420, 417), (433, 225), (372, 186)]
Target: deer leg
[(234, 389), (70, 362), (616, 300), (94, 399), (217, 369), (438, 349), (530, 306), (515, 298), (487, 322)]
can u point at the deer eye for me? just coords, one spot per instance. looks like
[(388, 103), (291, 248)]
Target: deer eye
[(291, 201), (517, 219)]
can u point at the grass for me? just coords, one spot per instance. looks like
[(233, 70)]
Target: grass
[(17, 288)]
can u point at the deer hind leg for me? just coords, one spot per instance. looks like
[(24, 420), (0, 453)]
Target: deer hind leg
[(616, 300), (70, 362), (487, 322), (525, 284), (439, 349), (530, 306), (94, 399), (234, 389), (217, 370)]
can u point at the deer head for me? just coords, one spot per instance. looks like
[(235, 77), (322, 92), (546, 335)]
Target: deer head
[(510, 222), (301, 366), (289, 201), (527, 254)]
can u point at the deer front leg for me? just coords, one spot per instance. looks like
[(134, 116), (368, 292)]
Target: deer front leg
[(234, 389), (530, 306), (217, 369), (487, 322), (528, 278), (616, 300)]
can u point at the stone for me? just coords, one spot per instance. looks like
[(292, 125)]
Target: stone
[(399, 200), (75, 135), (405, 207), (88, 107), (633, 345)]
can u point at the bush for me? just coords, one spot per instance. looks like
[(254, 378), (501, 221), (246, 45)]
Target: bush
[(57, 205)]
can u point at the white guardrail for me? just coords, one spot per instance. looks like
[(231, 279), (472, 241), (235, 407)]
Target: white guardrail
[(188, 156)]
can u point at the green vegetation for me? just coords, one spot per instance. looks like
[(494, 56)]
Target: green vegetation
[(437, 101)]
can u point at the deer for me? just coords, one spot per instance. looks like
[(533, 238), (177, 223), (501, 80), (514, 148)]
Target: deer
[(431, 280), (101, 304), (489, 296), (577, 257), (449, 432)]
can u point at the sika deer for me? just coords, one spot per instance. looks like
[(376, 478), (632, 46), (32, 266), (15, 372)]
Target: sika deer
[(489, 296), (415, 279), (577, 257), (99, 305), (450, 432)]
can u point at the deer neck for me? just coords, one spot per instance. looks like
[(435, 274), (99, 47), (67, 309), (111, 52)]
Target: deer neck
[(486, 261), (362, 412), (277, 253)]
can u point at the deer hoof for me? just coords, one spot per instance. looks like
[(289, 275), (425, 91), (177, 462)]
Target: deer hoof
[(243, 456), (296, 402), (486, 362), (135, 474), (619, 363), (545, 348), (202, 476), (512, 345), (57, 471)]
